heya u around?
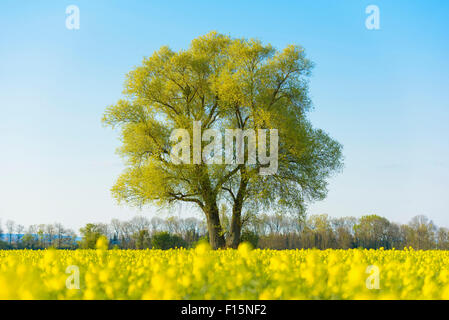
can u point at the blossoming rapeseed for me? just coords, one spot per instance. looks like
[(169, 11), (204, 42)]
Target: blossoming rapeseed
[(223, 274)]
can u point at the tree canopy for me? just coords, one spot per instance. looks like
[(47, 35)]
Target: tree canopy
[(222, 83)]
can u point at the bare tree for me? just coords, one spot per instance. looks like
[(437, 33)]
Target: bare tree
[(115, 229), (140, 223), (173, 225), (59, 230), (1, 230), (423, 235), (156, 224), (344, 231), (50, 231), (10, 228), (443, 238), (19, 230)]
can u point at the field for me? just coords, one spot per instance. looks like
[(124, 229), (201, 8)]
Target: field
[(224, 274)]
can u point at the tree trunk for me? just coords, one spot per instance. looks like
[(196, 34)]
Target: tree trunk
[(210, 209), (216, 237), (236, 221), (236, 227)]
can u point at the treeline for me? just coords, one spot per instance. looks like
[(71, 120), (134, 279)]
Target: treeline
[(323, 232), (263, 231), (143, 233), (16, 236)]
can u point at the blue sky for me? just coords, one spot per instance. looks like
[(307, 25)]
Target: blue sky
[(382, 93)]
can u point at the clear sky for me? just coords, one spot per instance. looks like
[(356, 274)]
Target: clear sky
[(384, 94)]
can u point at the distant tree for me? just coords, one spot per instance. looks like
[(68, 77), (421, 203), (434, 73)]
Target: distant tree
[(373, 231), (344, 231), (156, 224), (10, 227), (142, 239), (50, 232), (19, 230), (255, 223), (190, 230), (90, 234), (140, 223), (251, 237), (165, 240), (29, 241), (69, 241), (443, 239), (274, 223), (423, 233), (40, 230), (395, 236), (59, 232), (4, 245), (1, 230), (320, 226), (173, 225)]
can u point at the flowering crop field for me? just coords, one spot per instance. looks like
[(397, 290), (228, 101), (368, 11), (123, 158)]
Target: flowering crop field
[(224, 274)]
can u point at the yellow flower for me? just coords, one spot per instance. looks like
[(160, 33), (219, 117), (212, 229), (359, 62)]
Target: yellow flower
[(202, 273)]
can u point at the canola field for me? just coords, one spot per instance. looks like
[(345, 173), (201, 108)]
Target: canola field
[(224, 274)]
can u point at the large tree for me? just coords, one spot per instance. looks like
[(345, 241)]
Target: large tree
[(223, 83)]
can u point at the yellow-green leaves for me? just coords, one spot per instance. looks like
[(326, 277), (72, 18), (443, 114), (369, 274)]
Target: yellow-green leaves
[(224, 83)]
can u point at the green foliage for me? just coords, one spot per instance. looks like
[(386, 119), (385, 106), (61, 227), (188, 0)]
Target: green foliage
[(142, 239), (29, 241), (90, 235), (225, 83), (373, 231), (251, 237), (165, 240), (4, 245)]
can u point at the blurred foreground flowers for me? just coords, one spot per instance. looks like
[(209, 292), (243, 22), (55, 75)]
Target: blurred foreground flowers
[(224, 274)]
